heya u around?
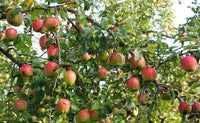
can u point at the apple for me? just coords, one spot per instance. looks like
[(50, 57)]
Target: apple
[(185, 108), (103, 56), (52, 51), (20, 105), (164, 93), (115, 30), (43, 41), (52, 23), (83, 116), (137, 64), (189, 63), (102, 74), (70, 77), (11, 34), (26, 70), (107, 121), (132, 83), (143, 98), (33, 118), (50, 69), (115, 58), (16, 20), (63, 105), (42, 110), (2, 35), (31, 92), (195, 106), (149, 74), (85, 57), (123, 59), (181, 33), (38, 25), (94, 115), (115, 111)]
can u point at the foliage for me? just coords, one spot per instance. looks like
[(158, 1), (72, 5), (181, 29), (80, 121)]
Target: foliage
[(125, 26)]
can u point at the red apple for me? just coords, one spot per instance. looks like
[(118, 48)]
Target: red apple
[(189, 63), (50, 69), (85, 57), (132, 83), (149, 74), (2, 35), (107, 121), (43, 41), (115, 30), (63, 105), (70, 77), (11, 34), (123, 59), (52, 23), (83, 116), (137, 64), (185, 108), (52, 51), (94, 115), (103, 56), (195, 106), (38, 25), (20, 105), (181, 33), (115, 58), (102, 74), (143, 98), (16, 20), (26, 70)]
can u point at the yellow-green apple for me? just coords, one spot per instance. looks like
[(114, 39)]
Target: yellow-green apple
[(63, 105), (43, 41), (103, 56), (115, 58), (102, 74), (132, 83), (20, 105), (189, 63), (42, 110), (137, 64), (52, 51), (143, 98), (149, 74), (185, 108), (85, 57), (52, 23), (94, 115), (26, 70), (50, 69), (195, 106), (11, 34), (15, 20), (83, 116), (38, 25), (69, 77)]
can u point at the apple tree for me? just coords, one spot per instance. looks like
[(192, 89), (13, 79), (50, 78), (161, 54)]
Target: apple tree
[(98, 61)]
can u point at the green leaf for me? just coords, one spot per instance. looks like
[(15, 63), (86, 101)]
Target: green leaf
[(26, 115), (96, 106), (138, 55), (104, 22), (151, 48), (123, 31), (81, 15)]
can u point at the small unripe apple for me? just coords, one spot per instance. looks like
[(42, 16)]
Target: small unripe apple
[(42, 110), (143, 98), (50, 69), (137, 64), (149, 74), (52, 23), (52, 51), (20, 105), (43, 41), (94, 115), (70, 77), (63, 105), (11, 34), (103, 56), (34, 118), (83, 116), (26, 70), (115, 58), (189, 63), (16, 20), (38, 25), (195, 106), (132, 83), (102, 74), (85, 57), (185, 108)]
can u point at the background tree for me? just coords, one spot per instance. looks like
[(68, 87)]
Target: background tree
[(101, 61)]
